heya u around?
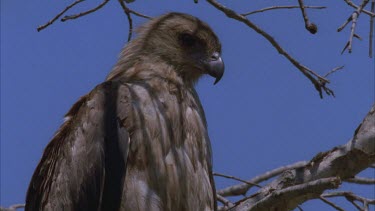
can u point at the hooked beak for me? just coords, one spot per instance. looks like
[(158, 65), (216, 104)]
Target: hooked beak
[(215, 67)]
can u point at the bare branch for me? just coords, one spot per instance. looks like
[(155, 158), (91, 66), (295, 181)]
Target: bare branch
[(371, 28), (333, 70), (343, 162), (353, 18), (309, 189), (128, 13), (224, 201), (130, 20), (361, 180), (281, 7), (59, 15), (70, 17), (311, 75), (139, 14), (331, 204), (350, 3), (13, 207), (311, 27), (352, 198), (241, 189), (345, 24), (236, 178)]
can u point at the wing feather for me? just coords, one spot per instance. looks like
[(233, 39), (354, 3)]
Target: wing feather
[(84, 165)]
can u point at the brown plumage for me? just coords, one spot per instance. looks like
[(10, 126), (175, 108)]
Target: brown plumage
[(139, 140)]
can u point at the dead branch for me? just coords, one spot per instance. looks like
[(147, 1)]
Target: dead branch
[(311, 27), (130, 20), (342, 162), (281, 7), (350, 3), (352, 198), (352, 18), (333, 70), (236, 178), (331, 203), (310, 189), (70, 17), (241, 189), (361, 180), (318, 81), (59, 15), (13, 207), (224, 201), (128, 12), (371, 29)]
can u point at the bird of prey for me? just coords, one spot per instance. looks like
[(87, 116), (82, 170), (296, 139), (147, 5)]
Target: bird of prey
[(139, 140)]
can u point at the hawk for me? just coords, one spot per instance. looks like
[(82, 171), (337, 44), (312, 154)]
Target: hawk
[(138, 141)]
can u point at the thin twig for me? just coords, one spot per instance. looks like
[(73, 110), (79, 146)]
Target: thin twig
[(311, 27), (316, 186), (71, 17), (351, 197), (281, 7), (59, 15), (350, 3), (361, 180), (345, 24), (356, 205), (371, 28), (311, 75), (241, 189), (130, 20), (333, 70), (353, 18), (128, 13), (345, 47), (331, 204), (139, 14), (236, 178)]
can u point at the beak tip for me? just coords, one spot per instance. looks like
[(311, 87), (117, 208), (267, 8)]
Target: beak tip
[(217, 80)]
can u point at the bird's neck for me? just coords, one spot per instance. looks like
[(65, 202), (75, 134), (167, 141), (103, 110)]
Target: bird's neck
[(143, 69)]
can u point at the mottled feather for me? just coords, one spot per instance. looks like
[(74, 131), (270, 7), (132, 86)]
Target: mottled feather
[(139, 140)]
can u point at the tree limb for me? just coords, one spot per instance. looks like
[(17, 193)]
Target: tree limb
[(241, 189), (318, 81), (352, 198), (361, 180), (343, 162), (350, 3), (353, 18)]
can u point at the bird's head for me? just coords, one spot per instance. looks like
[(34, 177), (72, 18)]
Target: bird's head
[(186, 43)]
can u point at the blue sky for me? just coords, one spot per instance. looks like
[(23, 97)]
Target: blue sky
[(263, 114)]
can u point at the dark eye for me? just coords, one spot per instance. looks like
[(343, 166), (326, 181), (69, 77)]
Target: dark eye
[(187, 39)]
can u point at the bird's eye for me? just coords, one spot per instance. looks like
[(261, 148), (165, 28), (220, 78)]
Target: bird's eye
[(187, 39)]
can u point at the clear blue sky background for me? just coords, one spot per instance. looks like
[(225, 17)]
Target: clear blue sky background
[(263, 114)]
